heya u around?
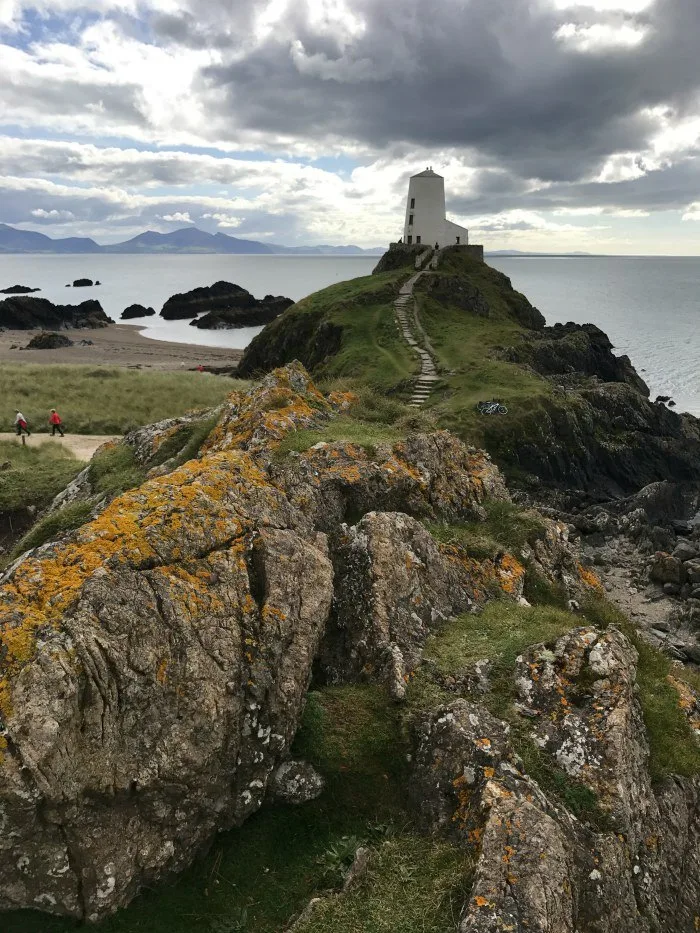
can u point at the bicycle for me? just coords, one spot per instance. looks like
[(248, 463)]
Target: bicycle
[(491, 408)]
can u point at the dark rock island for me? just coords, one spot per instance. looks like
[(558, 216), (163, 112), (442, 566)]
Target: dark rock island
[(18, 290), (134, 311), (25, 313), (224, 305)]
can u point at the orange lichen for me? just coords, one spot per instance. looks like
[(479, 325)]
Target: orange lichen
[(480, 901), (138, 529), (162, 672), (587, 576)]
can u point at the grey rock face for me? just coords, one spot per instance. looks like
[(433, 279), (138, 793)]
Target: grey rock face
[(540, 868)]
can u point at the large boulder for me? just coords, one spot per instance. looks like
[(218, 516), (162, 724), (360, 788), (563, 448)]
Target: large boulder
[(635, 867), (394, 586), (224, 304), (48, 341), (263, 312)]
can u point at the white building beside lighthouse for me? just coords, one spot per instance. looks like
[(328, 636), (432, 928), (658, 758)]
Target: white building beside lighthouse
[(426, 222)]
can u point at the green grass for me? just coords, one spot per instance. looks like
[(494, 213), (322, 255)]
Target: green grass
[(104, 400), (115, 470), (374, 419), (36, 474), (412, 885), (50, 527), (185, 443), (507, 527)]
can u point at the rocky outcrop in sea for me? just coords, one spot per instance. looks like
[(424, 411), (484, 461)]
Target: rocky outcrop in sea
[(28, 313), (224, 305), (134, 311)]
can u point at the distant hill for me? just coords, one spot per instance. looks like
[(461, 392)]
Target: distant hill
[(27, 241), (185, 240)]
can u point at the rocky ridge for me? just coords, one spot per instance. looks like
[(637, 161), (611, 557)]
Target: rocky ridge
[(154, 666), (155, 662)]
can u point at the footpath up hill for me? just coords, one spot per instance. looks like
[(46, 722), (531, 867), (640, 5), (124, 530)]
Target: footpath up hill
[(580, 418)]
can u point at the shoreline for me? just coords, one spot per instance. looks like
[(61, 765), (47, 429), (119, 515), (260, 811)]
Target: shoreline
[(116, 345)]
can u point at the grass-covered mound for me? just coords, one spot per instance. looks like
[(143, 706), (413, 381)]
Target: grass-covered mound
[(103, 399), (578, 416)]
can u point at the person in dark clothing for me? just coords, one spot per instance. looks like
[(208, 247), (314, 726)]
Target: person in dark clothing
[(21, 424), (55, 422)]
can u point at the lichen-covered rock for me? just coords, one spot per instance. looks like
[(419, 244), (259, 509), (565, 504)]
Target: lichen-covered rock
[(588, 718), (154, 663), (395, 584), (538, 867), (296, 782)]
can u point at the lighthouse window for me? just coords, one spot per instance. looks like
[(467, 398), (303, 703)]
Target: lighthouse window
[(413, 203), (417, 239), (410, 220), (409, 239)]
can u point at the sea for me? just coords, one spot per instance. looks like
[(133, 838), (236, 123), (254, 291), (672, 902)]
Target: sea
[(649, 306)]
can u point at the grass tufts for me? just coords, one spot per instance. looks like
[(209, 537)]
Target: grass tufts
[(114, 470), (53, 526)]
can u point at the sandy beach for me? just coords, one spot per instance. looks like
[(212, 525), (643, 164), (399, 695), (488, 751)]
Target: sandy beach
[(116, 345)]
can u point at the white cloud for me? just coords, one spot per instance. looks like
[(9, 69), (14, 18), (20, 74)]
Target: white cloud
[(600, 36), (179, 217), (606, 6), (224, 220), (52, 215)]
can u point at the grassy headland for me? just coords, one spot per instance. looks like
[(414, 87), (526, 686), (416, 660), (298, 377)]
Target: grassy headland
[(103, 399), (578, 416)]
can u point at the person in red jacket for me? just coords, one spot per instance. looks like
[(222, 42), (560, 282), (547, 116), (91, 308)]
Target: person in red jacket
[(55, 422)]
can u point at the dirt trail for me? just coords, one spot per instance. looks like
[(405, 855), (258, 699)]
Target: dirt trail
[(83, 446)]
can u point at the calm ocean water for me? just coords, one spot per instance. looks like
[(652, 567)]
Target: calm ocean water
[(151, 280), (650, 307)]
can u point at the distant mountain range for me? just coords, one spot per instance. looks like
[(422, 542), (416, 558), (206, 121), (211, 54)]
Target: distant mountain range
[(186, 240)]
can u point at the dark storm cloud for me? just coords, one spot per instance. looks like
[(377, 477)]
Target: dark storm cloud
[(486, 74)]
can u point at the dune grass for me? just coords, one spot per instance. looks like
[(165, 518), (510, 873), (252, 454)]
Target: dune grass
[(103, 399), (35, 474)]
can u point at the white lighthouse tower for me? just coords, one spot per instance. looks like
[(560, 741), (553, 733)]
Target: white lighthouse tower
[(426, 222)]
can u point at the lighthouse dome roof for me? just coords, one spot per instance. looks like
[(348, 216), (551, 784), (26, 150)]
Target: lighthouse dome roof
[(428, 173)]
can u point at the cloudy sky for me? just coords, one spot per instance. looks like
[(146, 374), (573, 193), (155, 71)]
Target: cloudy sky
[(558, 124)]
